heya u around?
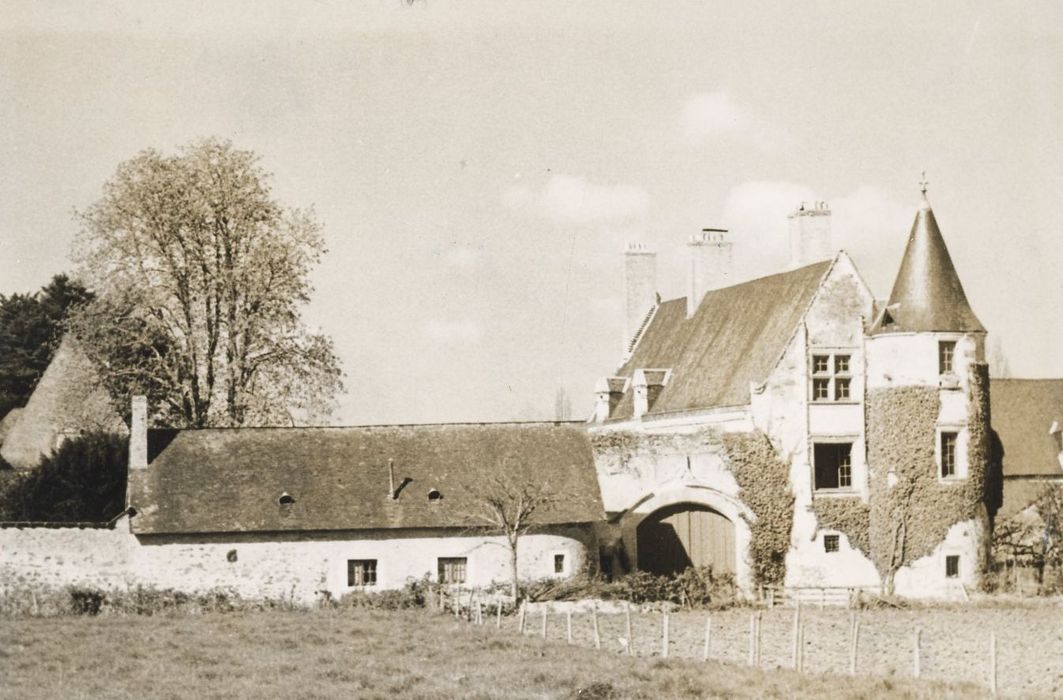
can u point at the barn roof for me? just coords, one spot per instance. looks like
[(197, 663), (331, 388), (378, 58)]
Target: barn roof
[(735, 337), (230, 480), (927, 294), (1022, 411)]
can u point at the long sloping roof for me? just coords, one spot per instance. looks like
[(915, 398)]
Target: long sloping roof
[(230, 480), (735, 337), (927, 294), (1022, 411)]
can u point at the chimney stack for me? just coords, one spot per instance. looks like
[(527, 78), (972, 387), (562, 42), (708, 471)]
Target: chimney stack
[(646, 386), (710, 265), (810, 234), (640, 282), (138, 434)]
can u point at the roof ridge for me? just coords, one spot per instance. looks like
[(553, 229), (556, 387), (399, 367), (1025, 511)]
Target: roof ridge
[(762, 278), (221, 428)]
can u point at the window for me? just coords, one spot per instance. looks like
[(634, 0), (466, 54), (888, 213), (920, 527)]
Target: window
[(831, 380), (361, 572), (452, 569), (946, 356), (948, 455), (559, 563), (286, 499), (833, 465), (830, 543), (952, 566)]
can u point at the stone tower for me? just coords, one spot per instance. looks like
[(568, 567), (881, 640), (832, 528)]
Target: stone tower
[(710, 265), (810, 235), (927, 417)]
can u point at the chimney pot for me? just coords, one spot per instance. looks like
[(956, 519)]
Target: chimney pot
[(138, 433)]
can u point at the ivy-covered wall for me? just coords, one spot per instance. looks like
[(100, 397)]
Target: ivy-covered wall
[(848, 515), (912, 510), (762, 479)]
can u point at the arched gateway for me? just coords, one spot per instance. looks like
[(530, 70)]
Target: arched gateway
[(682, 535)]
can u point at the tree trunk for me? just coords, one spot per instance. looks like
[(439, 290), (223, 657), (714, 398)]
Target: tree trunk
[(515, 584)]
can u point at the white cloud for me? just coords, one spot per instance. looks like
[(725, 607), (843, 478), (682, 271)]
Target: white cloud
[(711, 116), (462, 258), (454, 331), (574, 200)]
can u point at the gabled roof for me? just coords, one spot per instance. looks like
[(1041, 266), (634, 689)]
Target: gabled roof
[(735, 337), (69, 399), (229, 480), (1022, 411), (927, 294)]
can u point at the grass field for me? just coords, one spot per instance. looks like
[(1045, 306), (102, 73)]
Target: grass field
[(370, 654)]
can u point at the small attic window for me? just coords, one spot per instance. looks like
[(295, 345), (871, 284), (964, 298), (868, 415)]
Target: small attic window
[(286, 499), (434, 495)]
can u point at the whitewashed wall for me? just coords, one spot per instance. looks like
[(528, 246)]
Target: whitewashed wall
[(297, 565)]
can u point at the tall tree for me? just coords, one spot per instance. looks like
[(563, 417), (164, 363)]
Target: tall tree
[(201, 274), (30, 329)]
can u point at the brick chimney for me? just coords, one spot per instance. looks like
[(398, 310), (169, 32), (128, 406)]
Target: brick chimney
[(640, 283), (138, 434), (710, 265), (608, 392), (646, 386), (810, 234)]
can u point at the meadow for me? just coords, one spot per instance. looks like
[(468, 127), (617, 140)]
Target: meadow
[(385, 654)]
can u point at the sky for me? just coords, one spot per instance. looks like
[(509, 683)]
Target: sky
[(479, 167)]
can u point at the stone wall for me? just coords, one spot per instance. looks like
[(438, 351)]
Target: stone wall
[(281, 565)]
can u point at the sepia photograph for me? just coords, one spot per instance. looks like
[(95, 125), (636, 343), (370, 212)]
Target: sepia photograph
[(497, 349)]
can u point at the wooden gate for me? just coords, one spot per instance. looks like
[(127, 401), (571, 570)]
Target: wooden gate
[(683, 535)]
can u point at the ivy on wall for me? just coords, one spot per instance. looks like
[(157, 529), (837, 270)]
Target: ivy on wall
[(764, 486), (911, 511), (848, 515), (763, 480)]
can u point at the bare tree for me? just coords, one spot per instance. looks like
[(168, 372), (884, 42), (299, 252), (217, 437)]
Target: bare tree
[(510, 507)]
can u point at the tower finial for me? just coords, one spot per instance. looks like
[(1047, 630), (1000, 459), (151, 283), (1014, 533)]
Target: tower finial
[(923, 184)]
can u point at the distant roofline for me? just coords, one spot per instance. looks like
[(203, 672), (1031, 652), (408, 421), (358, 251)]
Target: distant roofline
[(377, 425)]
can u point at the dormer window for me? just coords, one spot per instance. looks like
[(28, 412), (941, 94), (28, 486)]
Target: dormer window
[(434, 495), (286, 499), (946, 356)]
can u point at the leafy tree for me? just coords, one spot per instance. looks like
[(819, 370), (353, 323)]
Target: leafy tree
[(83, 481), (201, 274), (30, 329), (509, 507)]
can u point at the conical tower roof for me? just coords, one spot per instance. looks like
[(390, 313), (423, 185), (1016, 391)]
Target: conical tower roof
[(927, 295)]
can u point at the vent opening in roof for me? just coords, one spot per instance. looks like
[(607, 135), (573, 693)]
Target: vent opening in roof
[(286, 499), (434, 495)]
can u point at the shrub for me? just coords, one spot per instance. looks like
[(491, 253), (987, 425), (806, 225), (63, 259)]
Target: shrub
[(86, 601), (414, 594), (692, 588)]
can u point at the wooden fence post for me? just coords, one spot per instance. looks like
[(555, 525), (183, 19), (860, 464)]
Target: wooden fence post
[(993, 663), (479, 612), (544, 620), (757, 658), (916, 666), (854, 646), (597, 634), (664, 635), (568, 625), (523, 616), (627, 630), (708, 638), (797, 632), (498, 613), (752, 639)]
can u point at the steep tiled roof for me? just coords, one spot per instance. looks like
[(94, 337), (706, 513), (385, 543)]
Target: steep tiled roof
[(1022, 411), (229, 480), (927, 294), (734, 338)]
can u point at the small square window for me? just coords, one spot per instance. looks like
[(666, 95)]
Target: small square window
[(820, 364), (452, 569), (820, 389), (841, 389), (361, 572), (830, 543), (952, 566), (559, 563), (946, 356), (948, 454), (841, 364)]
